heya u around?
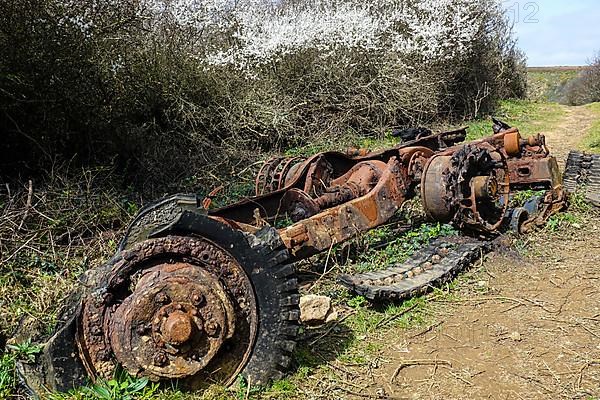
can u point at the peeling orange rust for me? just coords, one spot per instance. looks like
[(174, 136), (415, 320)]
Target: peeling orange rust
[(334, 196)]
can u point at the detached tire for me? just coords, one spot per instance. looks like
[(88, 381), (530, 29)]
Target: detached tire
[(163, 257), (263, 257)]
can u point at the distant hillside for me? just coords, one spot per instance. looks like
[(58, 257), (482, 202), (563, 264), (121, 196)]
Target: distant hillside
[(558, 68), (549, 83)]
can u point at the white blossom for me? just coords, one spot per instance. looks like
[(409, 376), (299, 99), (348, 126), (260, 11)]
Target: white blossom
[(247, 33), (263, 32)]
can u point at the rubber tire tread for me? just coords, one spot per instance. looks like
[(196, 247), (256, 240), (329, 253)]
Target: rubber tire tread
[(264, 259)]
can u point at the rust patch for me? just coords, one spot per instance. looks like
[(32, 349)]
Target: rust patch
[(167, 311)]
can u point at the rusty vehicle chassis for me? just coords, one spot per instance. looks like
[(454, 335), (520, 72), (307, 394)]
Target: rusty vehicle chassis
[(341, 195), (202, 295)]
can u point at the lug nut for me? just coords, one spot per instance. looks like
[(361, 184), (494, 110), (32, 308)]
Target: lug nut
[(160, 359), (211, 327), (197, 299)]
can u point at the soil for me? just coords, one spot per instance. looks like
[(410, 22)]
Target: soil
[(570, 132), (525, 326)]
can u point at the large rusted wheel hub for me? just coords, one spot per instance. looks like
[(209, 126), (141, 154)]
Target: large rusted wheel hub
[(469, 187), (172, 308)]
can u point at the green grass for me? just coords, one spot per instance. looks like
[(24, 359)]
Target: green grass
[(126, 388), (563, 220), (25, 351), (529, 117), (521, 197), (592, 140), (8, 378)]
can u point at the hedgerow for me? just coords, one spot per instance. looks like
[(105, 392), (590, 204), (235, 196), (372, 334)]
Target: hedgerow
[(189, 91)]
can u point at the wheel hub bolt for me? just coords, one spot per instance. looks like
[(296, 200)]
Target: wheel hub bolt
[(177, 329), (197, 299), (211, 327), (160, 359)]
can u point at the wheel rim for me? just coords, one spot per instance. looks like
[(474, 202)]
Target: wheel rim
[(171, 308)]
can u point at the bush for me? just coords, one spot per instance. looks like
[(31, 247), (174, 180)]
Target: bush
[(586, 87), (173, 90)]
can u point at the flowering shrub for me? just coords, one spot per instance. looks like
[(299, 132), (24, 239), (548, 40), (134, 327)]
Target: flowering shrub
[(169, 84), (428, 30)]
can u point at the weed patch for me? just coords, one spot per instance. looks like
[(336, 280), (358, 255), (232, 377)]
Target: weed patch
[(562, 221), (8, 377)]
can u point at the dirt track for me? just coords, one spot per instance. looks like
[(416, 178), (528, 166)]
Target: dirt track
[(570, 131), (525, 327)]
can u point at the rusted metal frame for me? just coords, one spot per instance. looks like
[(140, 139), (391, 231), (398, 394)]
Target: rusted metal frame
[(535, 173), (338, 224), (318, 176), (539, 174), (269, 204), (532, 167), (361, 179), (484, 188), (496, 141), (355, 183), (253, 211), (511, 144), (527, 158)]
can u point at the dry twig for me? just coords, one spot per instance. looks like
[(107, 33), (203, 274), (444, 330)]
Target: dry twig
[(409, 363), (385, 321)]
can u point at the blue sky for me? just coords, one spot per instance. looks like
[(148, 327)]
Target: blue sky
[(556, 32)]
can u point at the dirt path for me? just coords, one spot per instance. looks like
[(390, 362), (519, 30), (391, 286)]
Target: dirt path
[(524, 327), (570, 132)]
